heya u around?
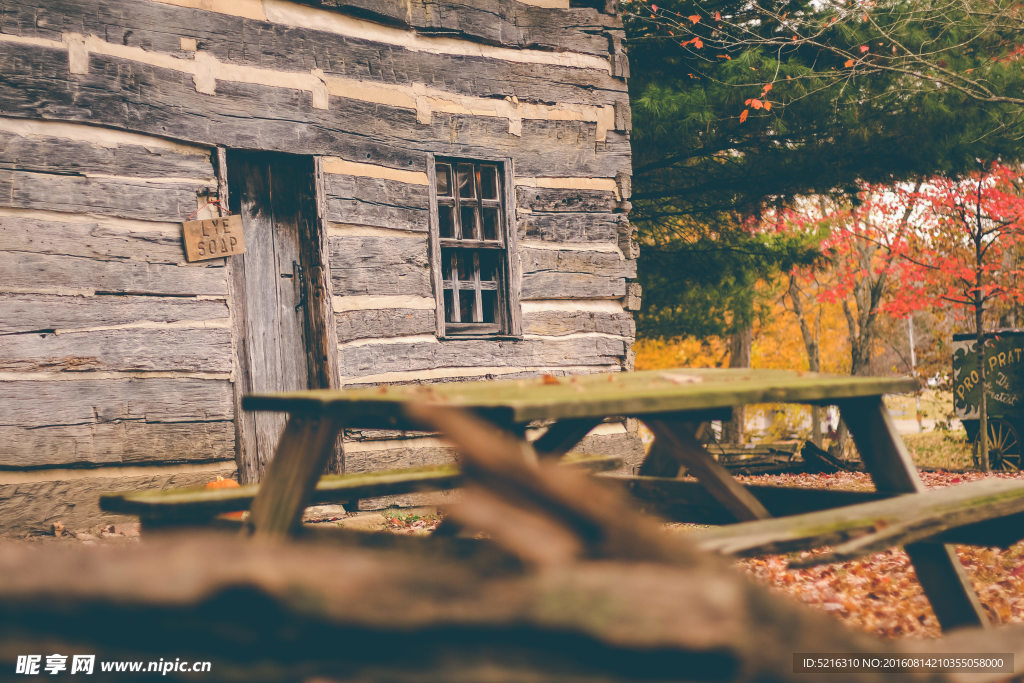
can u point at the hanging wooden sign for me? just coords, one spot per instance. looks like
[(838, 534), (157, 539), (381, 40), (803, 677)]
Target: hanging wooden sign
[(213, 238)]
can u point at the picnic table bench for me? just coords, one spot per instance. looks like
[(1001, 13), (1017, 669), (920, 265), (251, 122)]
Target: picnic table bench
[(674, 404)]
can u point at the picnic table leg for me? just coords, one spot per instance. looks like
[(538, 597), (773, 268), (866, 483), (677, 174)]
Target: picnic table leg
[(675, 441), (449, 528), (660, 460), (562, 436), (886, 458), (306, 445)]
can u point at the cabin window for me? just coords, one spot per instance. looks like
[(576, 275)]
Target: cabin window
[(471, 247)]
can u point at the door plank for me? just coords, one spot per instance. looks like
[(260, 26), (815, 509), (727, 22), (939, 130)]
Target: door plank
[(271, 192)]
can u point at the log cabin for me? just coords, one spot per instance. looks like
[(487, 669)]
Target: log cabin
[(429, 190)]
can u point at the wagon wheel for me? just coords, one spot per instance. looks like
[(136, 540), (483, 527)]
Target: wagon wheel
[(1004, 447)]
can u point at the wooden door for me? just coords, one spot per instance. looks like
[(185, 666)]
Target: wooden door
[(280, 293)]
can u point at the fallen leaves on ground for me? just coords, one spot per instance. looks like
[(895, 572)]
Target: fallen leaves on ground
[(880, 593), (410, 523)]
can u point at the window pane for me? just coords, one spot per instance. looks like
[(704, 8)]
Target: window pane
[(444, 180), (469, 227), (489, 182), (490, 219), (490, 304), (445, 221), (465, 259), (449, 314), (467, 299), (446, 264), (466, 184), (488, 265)]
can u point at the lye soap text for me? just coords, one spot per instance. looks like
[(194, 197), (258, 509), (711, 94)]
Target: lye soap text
[(213, 238)]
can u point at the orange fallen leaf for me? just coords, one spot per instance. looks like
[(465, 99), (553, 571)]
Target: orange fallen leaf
[(549, 379), (222, 483), (694, 18)]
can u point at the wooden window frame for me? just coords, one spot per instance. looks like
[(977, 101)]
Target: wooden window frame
[(444, 251)]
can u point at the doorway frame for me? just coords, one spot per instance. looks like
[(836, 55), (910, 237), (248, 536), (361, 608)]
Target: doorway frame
[(318, 322)]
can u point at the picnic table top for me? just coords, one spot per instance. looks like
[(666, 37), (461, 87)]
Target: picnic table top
[(585, 396)]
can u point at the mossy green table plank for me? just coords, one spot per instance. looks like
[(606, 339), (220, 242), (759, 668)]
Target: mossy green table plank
[(584, 396)]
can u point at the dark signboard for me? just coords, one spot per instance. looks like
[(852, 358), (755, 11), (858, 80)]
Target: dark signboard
[(1004, 363)]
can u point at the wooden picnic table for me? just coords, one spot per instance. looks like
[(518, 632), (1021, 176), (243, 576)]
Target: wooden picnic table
[(674, 404)]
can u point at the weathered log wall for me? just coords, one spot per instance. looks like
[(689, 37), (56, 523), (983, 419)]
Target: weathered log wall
[(114, 351)]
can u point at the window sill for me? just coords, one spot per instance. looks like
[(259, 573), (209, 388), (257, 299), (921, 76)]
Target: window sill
[(479, 337)]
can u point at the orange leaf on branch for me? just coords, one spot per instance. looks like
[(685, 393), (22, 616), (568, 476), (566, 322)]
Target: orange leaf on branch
[(744, 115)]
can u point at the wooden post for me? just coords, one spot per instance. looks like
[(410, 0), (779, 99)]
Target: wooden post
[(893, 471), (305, 447), (676, 438)]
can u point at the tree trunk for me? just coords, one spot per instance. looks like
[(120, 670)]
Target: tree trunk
[(734, 431), (979, 327), (813, 354)]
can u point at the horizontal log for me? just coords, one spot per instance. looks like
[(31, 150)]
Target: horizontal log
[(569, 274), (493, 22), (573, 227), (555, 323), (461, 374), (388, 322), (78, 157), (370, 265), (401, 456), (125, 198), (140, 97), (85, 236), (117, 443), (376, 202), (142, 349), (548, 200), (233, 39), (33, 507), (377, 358), (45, 271), (43, 403), (553, 284), (21, 313)]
